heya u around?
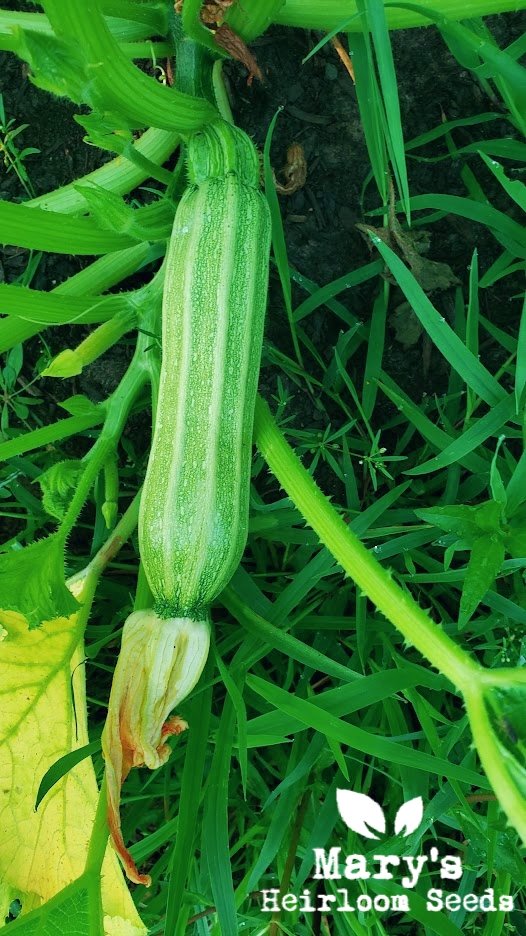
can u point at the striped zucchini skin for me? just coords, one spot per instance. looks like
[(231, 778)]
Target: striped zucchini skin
[(194, 508)]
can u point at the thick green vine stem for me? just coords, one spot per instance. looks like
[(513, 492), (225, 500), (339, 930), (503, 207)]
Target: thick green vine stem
[(491, 697), (343, 14), (195, 60), (117, 411), (372, 579), (501, 765), (119, 88), (99, 835), (119, 175)]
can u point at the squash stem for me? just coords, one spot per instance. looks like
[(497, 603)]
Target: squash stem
[(117, 411), (343, 14), (99, 834), (370, 577)]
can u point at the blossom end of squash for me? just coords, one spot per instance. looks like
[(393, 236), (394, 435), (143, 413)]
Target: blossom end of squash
[(159, 664)]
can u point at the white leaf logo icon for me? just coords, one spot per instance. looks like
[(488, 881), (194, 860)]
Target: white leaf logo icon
[(359, 811), (409, 816)]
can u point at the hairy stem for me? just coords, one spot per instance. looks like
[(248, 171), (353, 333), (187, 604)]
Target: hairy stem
[(371, 578), (342, 14), (118, 408)]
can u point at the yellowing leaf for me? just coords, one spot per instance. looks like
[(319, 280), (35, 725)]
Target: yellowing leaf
[(116, 926), (42, 852)]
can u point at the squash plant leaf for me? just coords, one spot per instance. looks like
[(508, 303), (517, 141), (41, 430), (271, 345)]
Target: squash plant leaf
[(58, 484), (40, 671), (109, 210), (487, 554), (56, 66), (74, 912), (32, 581)]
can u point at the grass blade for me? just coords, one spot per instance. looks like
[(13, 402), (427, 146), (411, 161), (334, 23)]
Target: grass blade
[(278, 236), (373, 745), (215, 824), (376, 19), (472, 438), (448, 343), (191, 792)]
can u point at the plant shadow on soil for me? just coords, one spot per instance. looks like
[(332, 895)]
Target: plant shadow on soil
[(320, 112)]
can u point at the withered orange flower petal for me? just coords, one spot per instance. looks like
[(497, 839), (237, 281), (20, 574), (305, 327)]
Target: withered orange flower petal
[(159, 663)]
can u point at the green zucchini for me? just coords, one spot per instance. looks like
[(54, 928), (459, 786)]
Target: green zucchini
[(194, 507)]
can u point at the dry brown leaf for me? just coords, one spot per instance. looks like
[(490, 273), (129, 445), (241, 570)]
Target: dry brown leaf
[(213, 11), (294, 170), (228, 40), (410, 245)]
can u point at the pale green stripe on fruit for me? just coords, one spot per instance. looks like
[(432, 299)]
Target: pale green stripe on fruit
[(252, 291), (190, 235), (220, 358)]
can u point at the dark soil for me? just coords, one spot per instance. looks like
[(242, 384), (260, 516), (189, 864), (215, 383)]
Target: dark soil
[(320, 112)]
